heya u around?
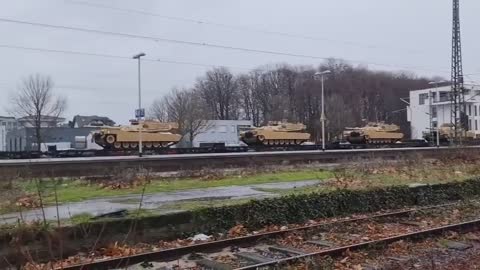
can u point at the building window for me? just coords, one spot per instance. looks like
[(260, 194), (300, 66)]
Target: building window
[(476, 110), (422, 98), (469, 110), (476, 124), (444, 96), (434, 124), (434, 112)]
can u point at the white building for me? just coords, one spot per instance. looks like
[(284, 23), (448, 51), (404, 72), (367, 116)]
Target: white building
[(7, 124), (45, 121), (436, 101), (221, 131), (3, 138)]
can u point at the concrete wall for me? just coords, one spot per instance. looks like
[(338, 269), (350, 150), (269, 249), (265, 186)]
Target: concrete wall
[(221, 131)]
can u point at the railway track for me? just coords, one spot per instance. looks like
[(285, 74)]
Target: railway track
[(279, 248), (95, 166)]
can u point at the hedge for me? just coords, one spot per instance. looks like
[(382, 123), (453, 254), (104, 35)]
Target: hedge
[(300, 208)]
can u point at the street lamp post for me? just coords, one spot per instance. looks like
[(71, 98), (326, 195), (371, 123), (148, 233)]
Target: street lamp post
[(140, 112), (321, 76), (438, 124)]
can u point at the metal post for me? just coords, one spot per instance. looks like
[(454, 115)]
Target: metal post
[(321, 76), (322, 117), (438, 122), (140, 125), (140, 111), (430, 112)]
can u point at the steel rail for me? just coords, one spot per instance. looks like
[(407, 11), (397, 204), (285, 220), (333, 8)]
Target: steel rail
[(174, 253), (339, 250)]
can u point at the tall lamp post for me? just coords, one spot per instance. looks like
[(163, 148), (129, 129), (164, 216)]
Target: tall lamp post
[(140, 112), (430, 97), (321, 76)]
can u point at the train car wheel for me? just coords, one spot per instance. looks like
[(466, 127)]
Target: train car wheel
[(148, 145), (125, 145), (133, 145), (156, 145), (117, 145)]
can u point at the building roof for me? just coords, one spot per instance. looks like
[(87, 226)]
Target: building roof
[(7, 118), (43, 118), (92, 120)]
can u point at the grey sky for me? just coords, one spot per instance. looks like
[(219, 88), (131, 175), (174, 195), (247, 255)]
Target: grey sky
[(402, 34)]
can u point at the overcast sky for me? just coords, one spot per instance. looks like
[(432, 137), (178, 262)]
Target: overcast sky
[(408, 35)]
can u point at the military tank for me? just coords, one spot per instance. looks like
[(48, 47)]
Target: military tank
[(373, 133), (446, 133), (276, 133), (154, 135)]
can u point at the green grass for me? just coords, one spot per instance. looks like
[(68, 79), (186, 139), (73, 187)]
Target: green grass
[(81, 218), (74, 191)]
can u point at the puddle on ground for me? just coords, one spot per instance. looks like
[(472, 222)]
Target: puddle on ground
[(152, 201)]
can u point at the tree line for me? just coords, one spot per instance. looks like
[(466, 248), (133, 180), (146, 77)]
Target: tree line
[(353, 96)]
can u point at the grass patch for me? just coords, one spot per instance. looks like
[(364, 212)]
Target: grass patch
[(74, 191), (197, 204), (81, 218)]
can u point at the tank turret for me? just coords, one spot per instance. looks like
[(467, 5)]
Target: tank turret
[(276, 133), (155, 135)]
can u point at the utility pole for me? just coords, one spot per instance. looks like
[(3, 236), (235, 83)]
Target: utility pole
[(140, 112), (321, 76), (457, 98), (430, 112), (436, 83)]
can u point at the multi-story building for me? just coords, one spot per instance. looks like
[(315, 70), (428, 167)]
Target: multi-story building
[(61, 137), (7, 124), (45, 121), (430, 108), (80, 121)]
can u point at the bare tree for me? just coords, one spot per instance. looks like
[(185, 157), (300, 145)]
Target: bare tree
[(339, 115), (185, 108), (158, 111), (353, 94), (36, 102), (219, 90), (249, 90)]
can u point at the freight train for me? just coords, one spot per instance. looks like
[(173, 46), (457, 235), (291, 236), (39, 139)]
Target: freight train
[(158, 138)]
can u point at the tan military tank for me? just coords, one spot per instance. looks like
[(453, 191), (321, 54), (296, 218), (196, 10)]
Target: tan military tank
[(154, 135), (276, 133), (446, 134), (373, 133)]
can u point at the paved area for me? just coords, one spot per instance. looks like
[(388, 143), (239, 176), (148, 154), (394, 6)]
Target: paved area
[(153, 201)]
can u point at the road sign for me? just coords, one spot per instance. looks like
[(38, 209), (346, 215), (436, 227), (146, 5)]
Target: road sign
[(139, 113)]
